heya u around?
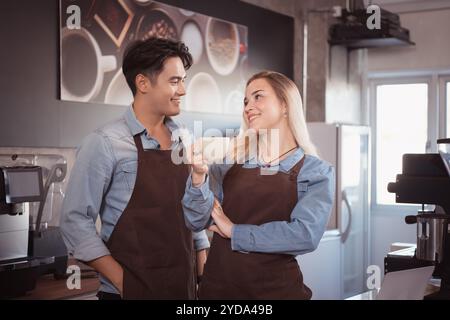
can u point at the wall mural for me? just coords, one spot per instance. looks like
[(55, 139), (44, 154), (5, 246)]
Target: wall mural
[(91, 56)]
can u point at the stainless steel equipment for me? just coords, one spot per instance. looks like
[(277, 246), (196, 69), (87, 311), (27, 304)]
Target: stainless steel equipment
[(347, 148), (431, 228), (29, 246)]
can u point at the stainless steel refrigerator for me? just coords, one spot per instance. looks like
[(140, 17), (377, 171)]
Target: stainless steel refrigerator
[(347, 148)]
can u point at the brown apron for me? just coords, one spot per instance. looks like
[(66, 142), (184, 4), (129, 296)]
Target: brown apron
[(252, 198), (151, 241)]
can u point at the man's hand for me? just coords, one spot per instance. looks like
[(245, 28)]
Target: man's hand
[(223, 226), (198, 163)]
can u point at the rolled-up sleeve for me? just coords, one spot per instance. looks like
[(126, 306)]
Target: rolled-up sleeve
[(197, 205), (307, 225), (88, 183), (198, 202), (200, 240)]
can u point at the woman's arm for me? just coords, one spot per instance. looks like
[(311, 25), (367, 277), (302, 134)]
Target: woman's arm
[(303, 232)]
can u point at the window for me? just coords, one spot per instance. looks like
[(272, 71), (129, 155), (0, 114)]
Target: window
[(409, 111), (401, 127)]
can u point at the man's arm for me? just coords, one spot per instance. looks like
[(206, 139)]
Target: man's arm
[(201, 244), (89, 180), (198, 199), (109, 268), (201, 260)]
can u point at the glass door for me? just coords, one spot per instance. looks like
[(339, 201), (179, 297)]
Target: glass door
[(354, 208), (447, 106)]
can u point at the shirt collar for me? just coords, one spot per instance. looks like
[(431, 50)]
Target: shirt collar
[(133, 123), (290, 161), (136, 126), (284, 165)]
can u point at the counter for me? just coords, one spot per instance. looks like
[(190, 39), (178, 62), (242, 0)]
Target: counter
[(49, 288)]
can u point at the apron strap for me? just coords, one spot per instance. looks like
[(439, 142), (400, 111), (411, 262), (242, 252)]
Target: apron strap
[(296, 169), (138, 143)]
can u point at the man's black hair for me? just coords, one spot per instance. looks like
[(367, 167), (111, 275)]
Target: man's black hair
[(147, 57)]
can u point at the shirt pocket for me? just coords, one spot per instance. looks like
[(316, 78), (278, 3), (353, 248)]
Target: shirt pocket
[(127, 174)]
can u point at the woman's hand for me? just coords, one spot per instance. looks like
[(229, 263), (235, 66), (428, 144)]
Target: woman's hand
[(198, 163), (223, 226)]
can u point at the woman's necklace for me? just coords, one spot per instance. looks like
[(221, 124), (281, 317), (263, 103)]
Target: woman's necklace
[(268, 164)]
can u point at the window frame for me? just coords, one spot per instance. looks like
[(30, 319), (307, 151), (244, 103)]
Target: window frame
[(444, 114), (432, 122)]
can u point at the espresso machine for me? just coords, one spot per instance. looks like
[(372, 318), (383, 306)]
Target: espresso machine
[(29, 246), (425, 180)]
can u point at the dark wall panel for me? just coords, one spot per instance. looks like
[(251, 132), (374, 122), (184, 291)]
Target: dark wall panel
[(31, 114)]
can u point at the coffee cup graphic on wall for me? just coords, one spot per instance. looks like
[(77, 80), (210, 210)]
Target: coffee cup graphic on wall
[(83, 65), (91, 55)]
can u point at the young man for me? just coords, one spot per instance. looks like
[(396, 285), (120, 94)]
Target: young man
[(124, 173)]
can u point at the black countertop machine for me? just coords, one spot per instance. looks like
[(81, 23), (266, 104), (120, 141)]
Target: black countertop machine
[(425, 180)]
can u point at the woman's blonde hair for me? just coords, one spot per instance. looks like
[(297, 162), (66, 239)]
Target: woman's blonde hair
[(287, 92)]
